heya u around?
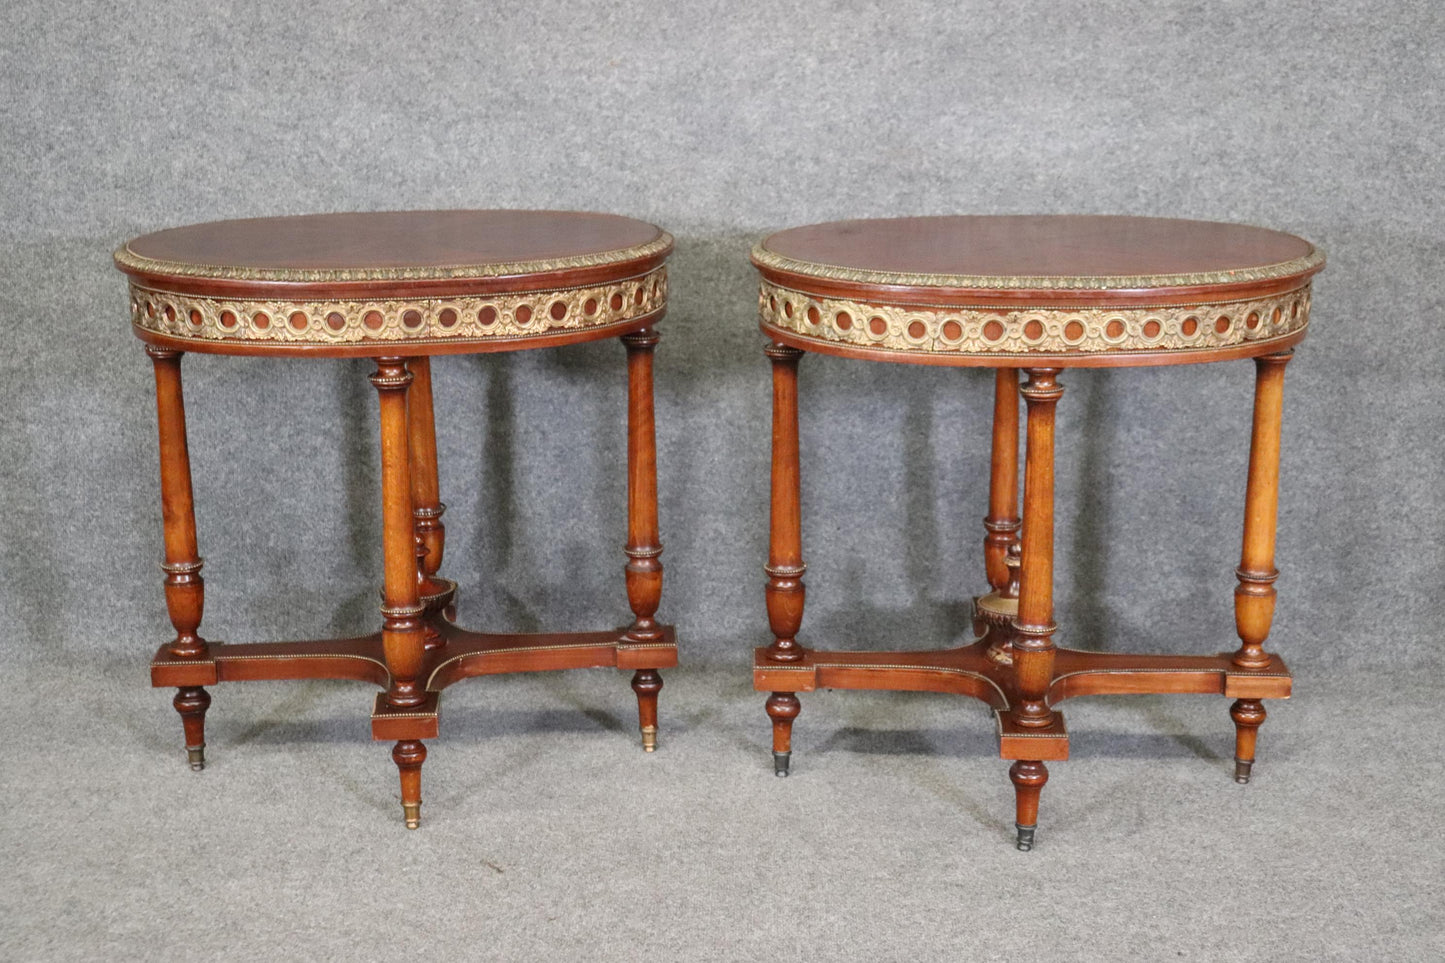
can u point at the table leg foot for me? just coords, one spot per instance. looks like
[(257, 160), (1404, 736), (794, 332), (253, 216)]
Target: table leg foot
[(647, 683), (409, 754), (192, 702), (1028, 777), (1248, 716), (782, 708)]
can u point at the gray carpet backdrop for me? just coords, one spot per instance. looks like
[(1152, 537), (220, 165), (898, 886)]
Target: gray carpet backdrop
[(720, 123)]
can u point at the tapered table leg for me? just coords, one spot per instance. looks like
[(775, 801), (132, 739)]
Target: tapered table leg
[(1033, 643), (403, 630), (1255, 594), (644, 545), (185, 589), (785, 589)]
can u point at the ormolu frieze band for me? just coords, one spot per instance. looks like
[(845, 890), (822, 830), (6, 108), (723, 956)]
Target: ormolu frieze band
[(1050, 330), (480, 318)]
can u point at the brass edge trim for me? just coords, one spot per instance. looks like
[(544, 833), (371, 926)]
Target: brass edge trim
[(129, 261), (1058, 716), (1312, 261), (921, 668), (295, 656), (519, 648), (1163, 671)]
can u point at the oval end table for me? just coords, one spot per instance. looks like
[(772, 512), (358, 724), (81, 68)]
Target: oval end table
[(1037, 293), (400, 287)]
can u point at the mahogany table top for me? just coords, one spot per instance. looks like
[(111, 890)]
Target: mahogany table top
[(400, 282), (1021, 290)]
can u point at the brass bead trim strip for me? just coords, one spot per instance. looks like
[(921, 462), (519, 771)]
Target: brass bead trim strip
[(183, 568), (1166, 671), (1049, 733), (536, 648), (483, 318), (1048, 330), (1313, 261), (278, 657), (130, 261), (949, 670), (390, 381)]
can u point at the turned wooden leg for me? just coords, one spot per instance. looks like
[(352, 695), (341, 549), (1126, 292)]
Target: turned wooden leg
[(427, 508), (1255, 594), (785, 568), (1033, 631), (185, 589), (782, 708), (403, 634), (644, 545), (408, 755), (1002, 521), (647, 683), (994, 613), (1248, 716), (192, 702), (1028, 779)]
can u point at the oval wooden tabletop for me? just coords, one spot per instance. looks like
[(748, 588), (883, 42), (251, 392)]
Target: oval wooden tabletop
[(1013, 290), (371, 283)]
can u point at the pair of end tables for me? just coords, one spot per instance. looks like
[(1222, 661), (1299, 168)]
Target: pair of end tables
[(1030, 295)]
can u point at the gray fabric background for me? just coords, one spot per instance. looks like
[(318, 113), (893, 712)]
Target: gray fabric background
[(720, 122)]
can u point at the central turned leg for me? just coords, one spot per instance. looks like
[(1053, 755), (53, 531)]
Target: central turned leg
[(1254, 596), (185, 590), (644, 545), (994, 613), (1002, 521), (427, 508), (785, 590), (1033, 633), (403, 631)]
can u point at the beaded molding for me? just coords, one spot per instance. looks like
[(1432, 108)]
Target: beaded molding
[(1033, 330), (492, 317), (130, 261), (1309, 263)]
